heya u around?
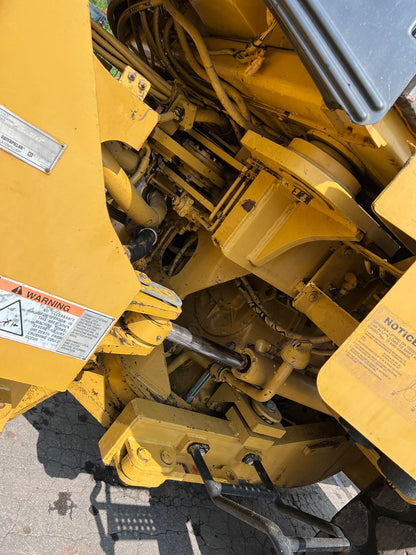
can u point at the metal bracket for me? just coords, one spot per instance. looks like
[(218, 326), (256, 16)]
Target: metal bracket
[(158, 291), (135, 82)]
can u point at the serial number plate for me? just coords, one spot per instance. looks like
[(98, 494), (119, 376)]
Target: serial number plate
[(27, 142)]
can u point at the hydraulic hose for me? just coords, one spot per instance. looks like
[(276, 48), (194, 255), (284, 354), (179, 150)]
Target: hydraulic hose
[(160, 50), (228, 89), (195, 85), (205, 115), (126, 157), (254, 302), (157, 81), (127, 13), (128, 199), (142, 167), (109, 57), (207, 63), (106, 46), (142, 245), (149, 36)]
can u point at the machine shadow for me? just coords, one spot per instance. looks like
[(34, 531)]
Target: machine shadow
[(68, 446), (180, 517)]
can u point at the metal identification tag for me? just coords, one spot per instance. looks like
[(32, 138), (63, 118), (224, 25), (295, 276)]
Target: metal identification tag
[(27, 142)]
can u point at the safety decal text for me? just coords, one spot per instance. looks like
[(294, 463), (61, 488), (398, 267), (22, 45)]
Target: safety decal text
[(35, 318), (382, 355)]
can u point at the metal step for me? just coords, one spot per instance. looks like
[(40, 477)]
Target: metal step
[(283, 544)]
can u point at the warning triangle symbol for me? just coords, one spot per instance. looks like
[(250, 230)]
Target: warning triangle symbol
[(18, 290), (11, 318)]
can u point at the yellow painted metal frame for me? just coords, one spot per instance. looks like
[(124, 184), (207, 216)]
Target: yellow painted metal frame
[(148, 444), (56, 234), (68, 248), (255, 222), (378, 405), (393, 204), (122, 114), (385, 418)]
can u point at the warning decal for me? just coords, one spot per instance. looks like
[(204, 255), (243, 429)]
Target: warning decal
[(382, 355), (11, 318), (41, 320)]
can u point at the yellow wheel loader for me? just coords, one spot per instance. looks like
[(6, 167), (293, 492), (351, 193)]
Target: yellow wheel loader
[(208, 238)]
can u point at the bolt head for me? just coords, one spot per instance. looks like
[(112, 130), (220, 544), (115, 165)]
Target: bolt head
[(250, 458), (271, 406), (142, 85), (131, 76), (166, 457), (313, 297)]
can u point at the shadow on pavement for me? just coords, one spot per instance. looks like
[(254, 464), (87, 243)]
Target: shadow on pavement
[(180, 517)]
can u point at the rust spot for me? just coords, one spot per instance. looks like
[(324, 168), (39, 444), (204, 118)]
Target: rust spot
[(248, 205)]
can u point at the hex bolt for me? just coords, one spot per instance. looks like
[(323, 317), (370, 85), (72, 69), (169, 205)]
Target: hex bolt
[(159, 338), (198, 447), (132, 76), (142, 85), (250, 459)]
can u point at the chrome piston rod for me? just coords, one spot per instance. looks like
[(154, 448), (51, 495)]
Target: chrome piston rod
[(208, 348)]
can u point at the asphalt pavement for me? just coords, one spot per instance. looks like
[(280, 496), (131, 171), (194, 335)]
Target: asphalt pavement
[(57, 497)]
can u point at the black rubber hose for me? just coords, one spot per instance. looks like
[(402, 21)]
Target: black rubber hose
[(255, 304), (143, 244)]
